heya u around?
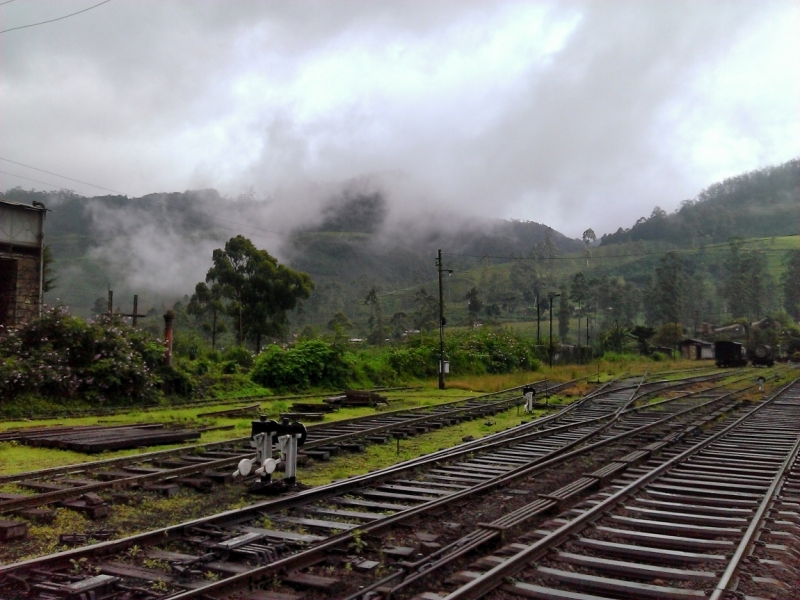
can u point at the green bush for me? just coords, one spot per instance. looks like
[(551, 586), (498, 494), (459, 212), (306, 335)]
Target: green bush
[(230, 368), (308, 363), (371, 367), (65, 357), (189, 345), (201, 367), (415, 361), (176, 382), (472, 352), (240, 355)]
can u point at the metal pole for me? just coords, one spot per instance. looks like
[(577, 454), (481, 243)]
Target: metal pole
[(110, 310), (441, 322), (551, 331), (135, 308), (552, 297), (41, 260), (169, 318)]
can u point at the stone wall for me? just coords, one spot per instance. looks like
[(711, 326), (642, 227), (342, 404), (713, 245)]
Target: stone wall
[(23, 304)]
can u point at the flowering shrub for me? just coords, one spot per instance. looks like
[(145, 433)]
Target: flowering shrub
[(62, 356)]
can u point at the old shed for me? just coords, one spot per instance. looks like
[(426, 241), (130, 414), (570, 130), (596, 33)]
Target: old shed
[(21, 264), (696, 349)]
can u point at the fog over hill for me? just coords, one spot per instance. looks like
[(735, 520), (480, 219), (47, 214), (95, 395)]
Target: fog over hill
[(160, 245)]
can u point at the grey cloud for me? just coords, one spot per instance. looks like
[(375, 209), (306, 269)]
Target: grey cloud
[(154, 97)]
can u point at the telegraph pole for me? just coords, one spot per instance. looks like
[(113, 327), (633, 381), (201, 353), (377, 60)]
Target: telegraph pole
[(442, 320), (551, 326), (588, 348), (537, 319)]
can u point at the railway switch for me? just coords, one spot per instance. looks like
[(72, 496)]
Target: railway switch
[(267, 436)]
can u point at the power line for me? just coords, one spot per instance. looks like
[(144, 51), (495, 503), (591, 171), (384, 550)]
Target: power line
[(58, 19), (6, 2), (195, 212), (29, 179), (100, 187)]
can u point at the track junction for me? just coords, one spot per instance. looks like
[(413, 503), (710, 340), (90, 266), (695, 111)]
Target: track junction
[(404, 532)]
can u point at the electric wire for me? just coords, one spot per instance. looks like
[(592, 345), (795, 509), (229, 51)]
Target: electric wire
[(7, 2), (57, 19), (197, 213), (29, 179), (100, 187)]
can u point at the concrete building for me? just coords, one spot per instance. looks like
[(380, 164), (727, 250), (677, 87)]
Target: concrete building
[(21, 265)]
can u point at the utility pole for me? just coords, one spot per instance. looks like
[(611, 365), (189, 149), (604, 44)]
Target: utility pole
[(588, 348), (538, 317), (442, 320), (551, 296), (169, 319)]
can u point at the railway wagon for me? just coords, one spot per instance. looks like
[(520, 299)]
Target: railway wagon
[(762, 356), (730, 354)]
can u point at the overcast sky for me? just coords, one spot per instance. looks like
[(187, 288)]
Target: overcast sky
[(575, 114)]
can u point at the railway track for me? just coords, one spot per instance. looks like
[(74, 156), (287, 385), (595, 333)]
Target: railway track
[(702, 519), (202, 466), (247, 544)]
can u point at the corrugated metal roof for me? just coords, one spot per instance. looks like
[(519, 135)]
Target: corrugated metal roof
[(20, 205)]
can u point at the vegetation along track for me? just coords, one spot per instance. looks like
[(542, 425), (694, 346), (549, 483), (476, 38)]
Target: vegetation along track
[(201, 466), (712, 516), (273, 536)]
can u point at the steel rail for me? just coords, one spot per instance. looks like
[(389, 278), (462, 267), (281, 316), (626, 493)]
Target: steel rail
[(489, 533), (334, 488), (755, 524), (138, 480), (310, 556), (81, 467), (232, 517), (493, 577), (495, 530)]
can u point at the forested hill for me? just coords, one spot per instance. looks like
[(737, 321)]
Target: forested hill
[(762, 203), (350, 241)]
